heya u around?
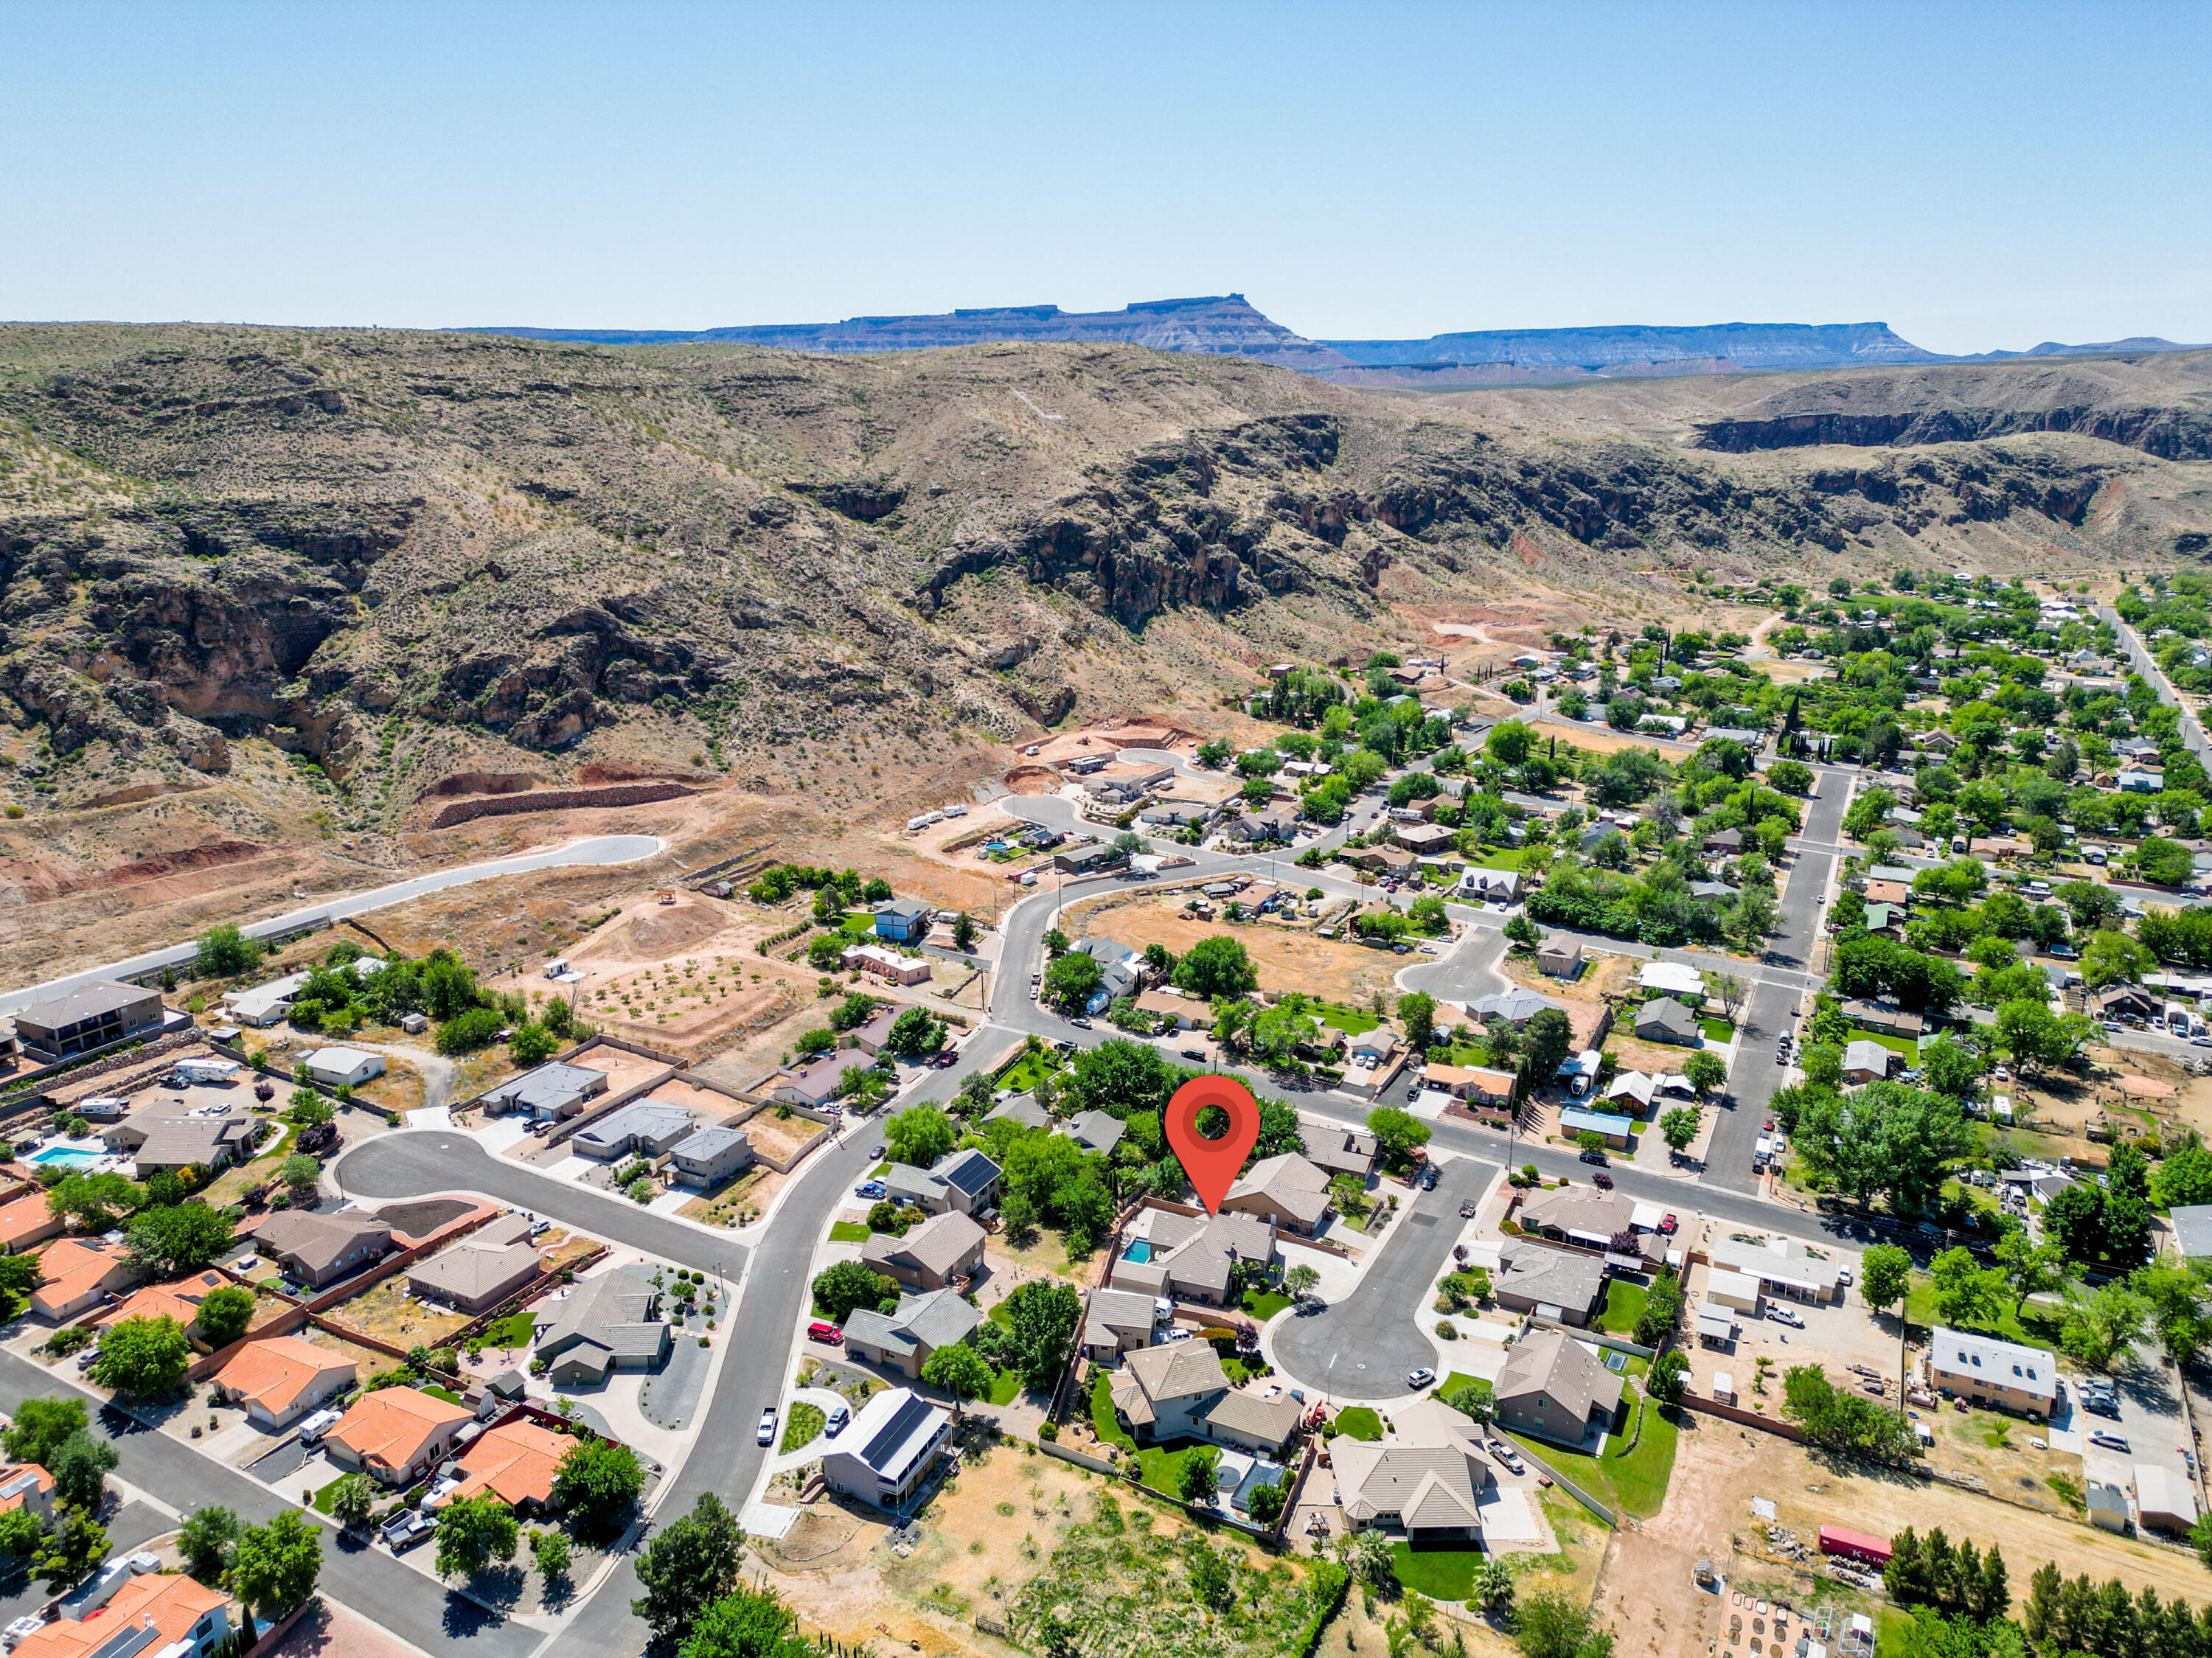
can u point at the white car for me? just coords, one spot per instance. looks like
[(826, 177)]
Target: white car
[(1783, 1315), (767, 1434), (1422, 1378)]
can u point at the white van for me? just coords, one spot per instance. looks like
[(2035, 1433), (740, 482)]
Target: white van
[(312, 1429)]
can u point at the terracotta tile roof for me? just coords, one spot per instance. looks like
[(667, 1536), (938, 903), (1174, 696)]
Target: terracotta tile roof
[(27, 1220), (180, 1301), (273, 1373), (173, 1603), (515, 1462), (391, 1426), (19, 1481), (75, 1267)]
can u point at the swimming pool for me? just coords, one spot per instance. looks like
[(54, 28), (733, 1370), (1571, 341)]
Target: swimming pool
[(68, 1156), (1139, 1251)]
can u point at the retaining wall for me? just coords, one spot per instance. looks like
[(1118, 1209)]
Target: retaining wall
[(501, 805)]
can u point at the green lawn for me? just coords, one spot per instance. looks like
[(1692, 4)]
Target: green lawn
[(1890, 1040), (850, 1231), (1006, 1387), (2039, 1329), (860, 921), (1264, 1305), (1160, 1466), (1624, 1306), (1457, 1380), (1462, 1053), (1103, 1422), (1352, 1021), (1718, 1030), (446, 1394), (1000, 1314), (1635, 1479), (1442, 1574), (1022, 1075), (1360, 1422), (515, 1330), (805, 1423), (1502, 857)]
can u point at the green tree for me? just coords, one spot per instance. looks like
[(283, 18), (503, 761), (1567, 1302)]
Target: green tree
[(1523, 933), (225, 1313), (1951, 1066), (2035, 1036), (1072, 980), (532, 1044), (1547, 1040), (39, 1427), (2103, 1327), (94, 1203), (914, 1034), (469, 1030), (1040, 1319), (1399, 1133), (184, 1238), (19, 1276), (549, 1549), (1678, 1127), (2030, 1268), (472, 1532), (1417, 1010), (960, 1370), (1195, 1482), (224, 950), (2174, 1292), (1217, 965), (689, 1565), (207, 1540), (843, 1285), (1555, 1626), (22, 1536), (300, 1174), (1888, 1139), (1885, 1275), (919, 1135), (1669, 1377), (748, 1622), (276, 1565), (1302, 1281), (81, 1468), (1706, 1070), (76, 1543), (142, 1355), (599, 1480), (1967, 1293), (351, 1500), (964, 932), (1493, 1586)]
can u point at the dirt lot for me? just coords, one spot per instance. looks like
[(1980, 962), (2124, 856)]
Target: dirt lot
[(1647, 1587), (1286, 960), (389, 1313)]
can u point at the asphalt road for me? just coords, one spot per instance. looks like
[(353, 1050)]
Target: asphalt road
[(594, 849), (1363, 1346), (377, 1586), (723, 1458)]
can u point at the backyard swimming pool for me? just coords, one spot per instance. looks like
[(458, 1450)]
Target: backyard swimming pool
[(68, 1156), (1140, 1251)]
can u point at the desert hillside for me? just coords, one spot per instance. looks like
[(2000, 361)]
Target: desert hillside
[(268, 589)]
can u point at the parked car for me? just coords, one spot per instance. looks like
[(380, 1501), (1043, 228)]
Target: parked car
[(312, 1429), (822, 1330), (2110, 1442), (2101, 1405), (1786, 1315), (407, 1528), (841, 1418), (877, 1149), (1429, 1178), (872, 1189), (1421, 1378), (1667, 1225), (767, 1434), (1080, 1022), (1198, 1053), (1594, 1156), (1602, 1181)]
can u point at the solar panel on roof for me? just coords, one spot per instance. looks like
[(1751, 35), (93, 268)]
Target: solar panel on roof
[(895, 1432)]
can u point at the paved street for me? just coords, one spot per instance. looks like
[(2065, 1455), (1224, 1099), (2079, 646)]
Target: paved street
[(1363, 1346)]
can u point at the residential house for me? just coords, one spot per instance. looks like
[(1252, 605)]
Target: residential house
[(1490, 886), (25, 1221), (608, 1323), (1426, 1479), (280, 1379), (883, 1457), (516, 1461), (1483, 1089), (171, 1137), (1612, 1127), (1576, 1214), (889, 965), (2001, 1373), (1663, 1019), (1276, 823), (319, 1249), (1752, 740), (816, 1082), (342, 1067), (1782, 1267), (1723, 843), (395, 1435), (1886, 919), (1340, 1150), (1676, 979), (27, 1485), (966, 1181), (946, 1245), (1884, 1016), (1083, 860), (1189, 1257), (481, 1269), (1096, 1130), (1286, 1190), (88, 1016), (1516, 1006), (901, 1341), (180, 1301), (159, 1615), (1554, 1387), (709, 1156), (1558, 959), (1117, 1322), (553, 1092), (1866, 1061), (1739, 1292), (645, 1128), (1021, 1108), (1188, 1012), (77, 1272), (1426, 839), (2126, 1002), (1894, 894), (874, 1036), (1563, 1283), (2166, 1500), (904, 920), (263, 1005), (1178, 1390)]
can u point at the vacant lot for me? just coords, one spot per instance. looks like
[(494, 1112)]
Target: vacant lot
[(389, 1313), (1286, 959)]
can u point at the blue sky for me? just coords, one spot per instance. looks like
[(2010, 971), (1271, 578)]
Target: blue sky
[(1978, 176)]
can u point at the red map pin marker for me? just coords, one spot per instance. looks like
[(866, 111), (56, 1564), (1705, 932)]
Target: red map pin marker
[(1212, 1164)]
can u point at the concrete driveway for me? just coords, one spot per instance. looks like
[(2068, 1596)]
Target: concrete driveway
[(1362, 1347)]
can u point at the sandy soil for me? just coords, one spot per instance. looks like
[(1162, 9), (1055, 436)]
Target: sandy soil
[(1286, 959), (389, 1314)]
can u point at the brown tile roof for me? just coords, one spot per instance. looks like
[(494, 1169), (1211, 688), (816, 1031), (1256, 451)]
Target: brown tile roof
[(515, 1462), (180, 1301), (391, 1426), (273, 1373)]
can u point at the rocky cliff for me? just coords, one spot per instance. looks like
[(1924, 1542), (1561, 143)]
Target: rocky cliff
[(407, 559)]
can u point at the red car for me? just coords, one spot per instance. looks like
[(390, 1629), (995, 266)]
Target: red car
[(1667, 1224), (819, 1331)]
